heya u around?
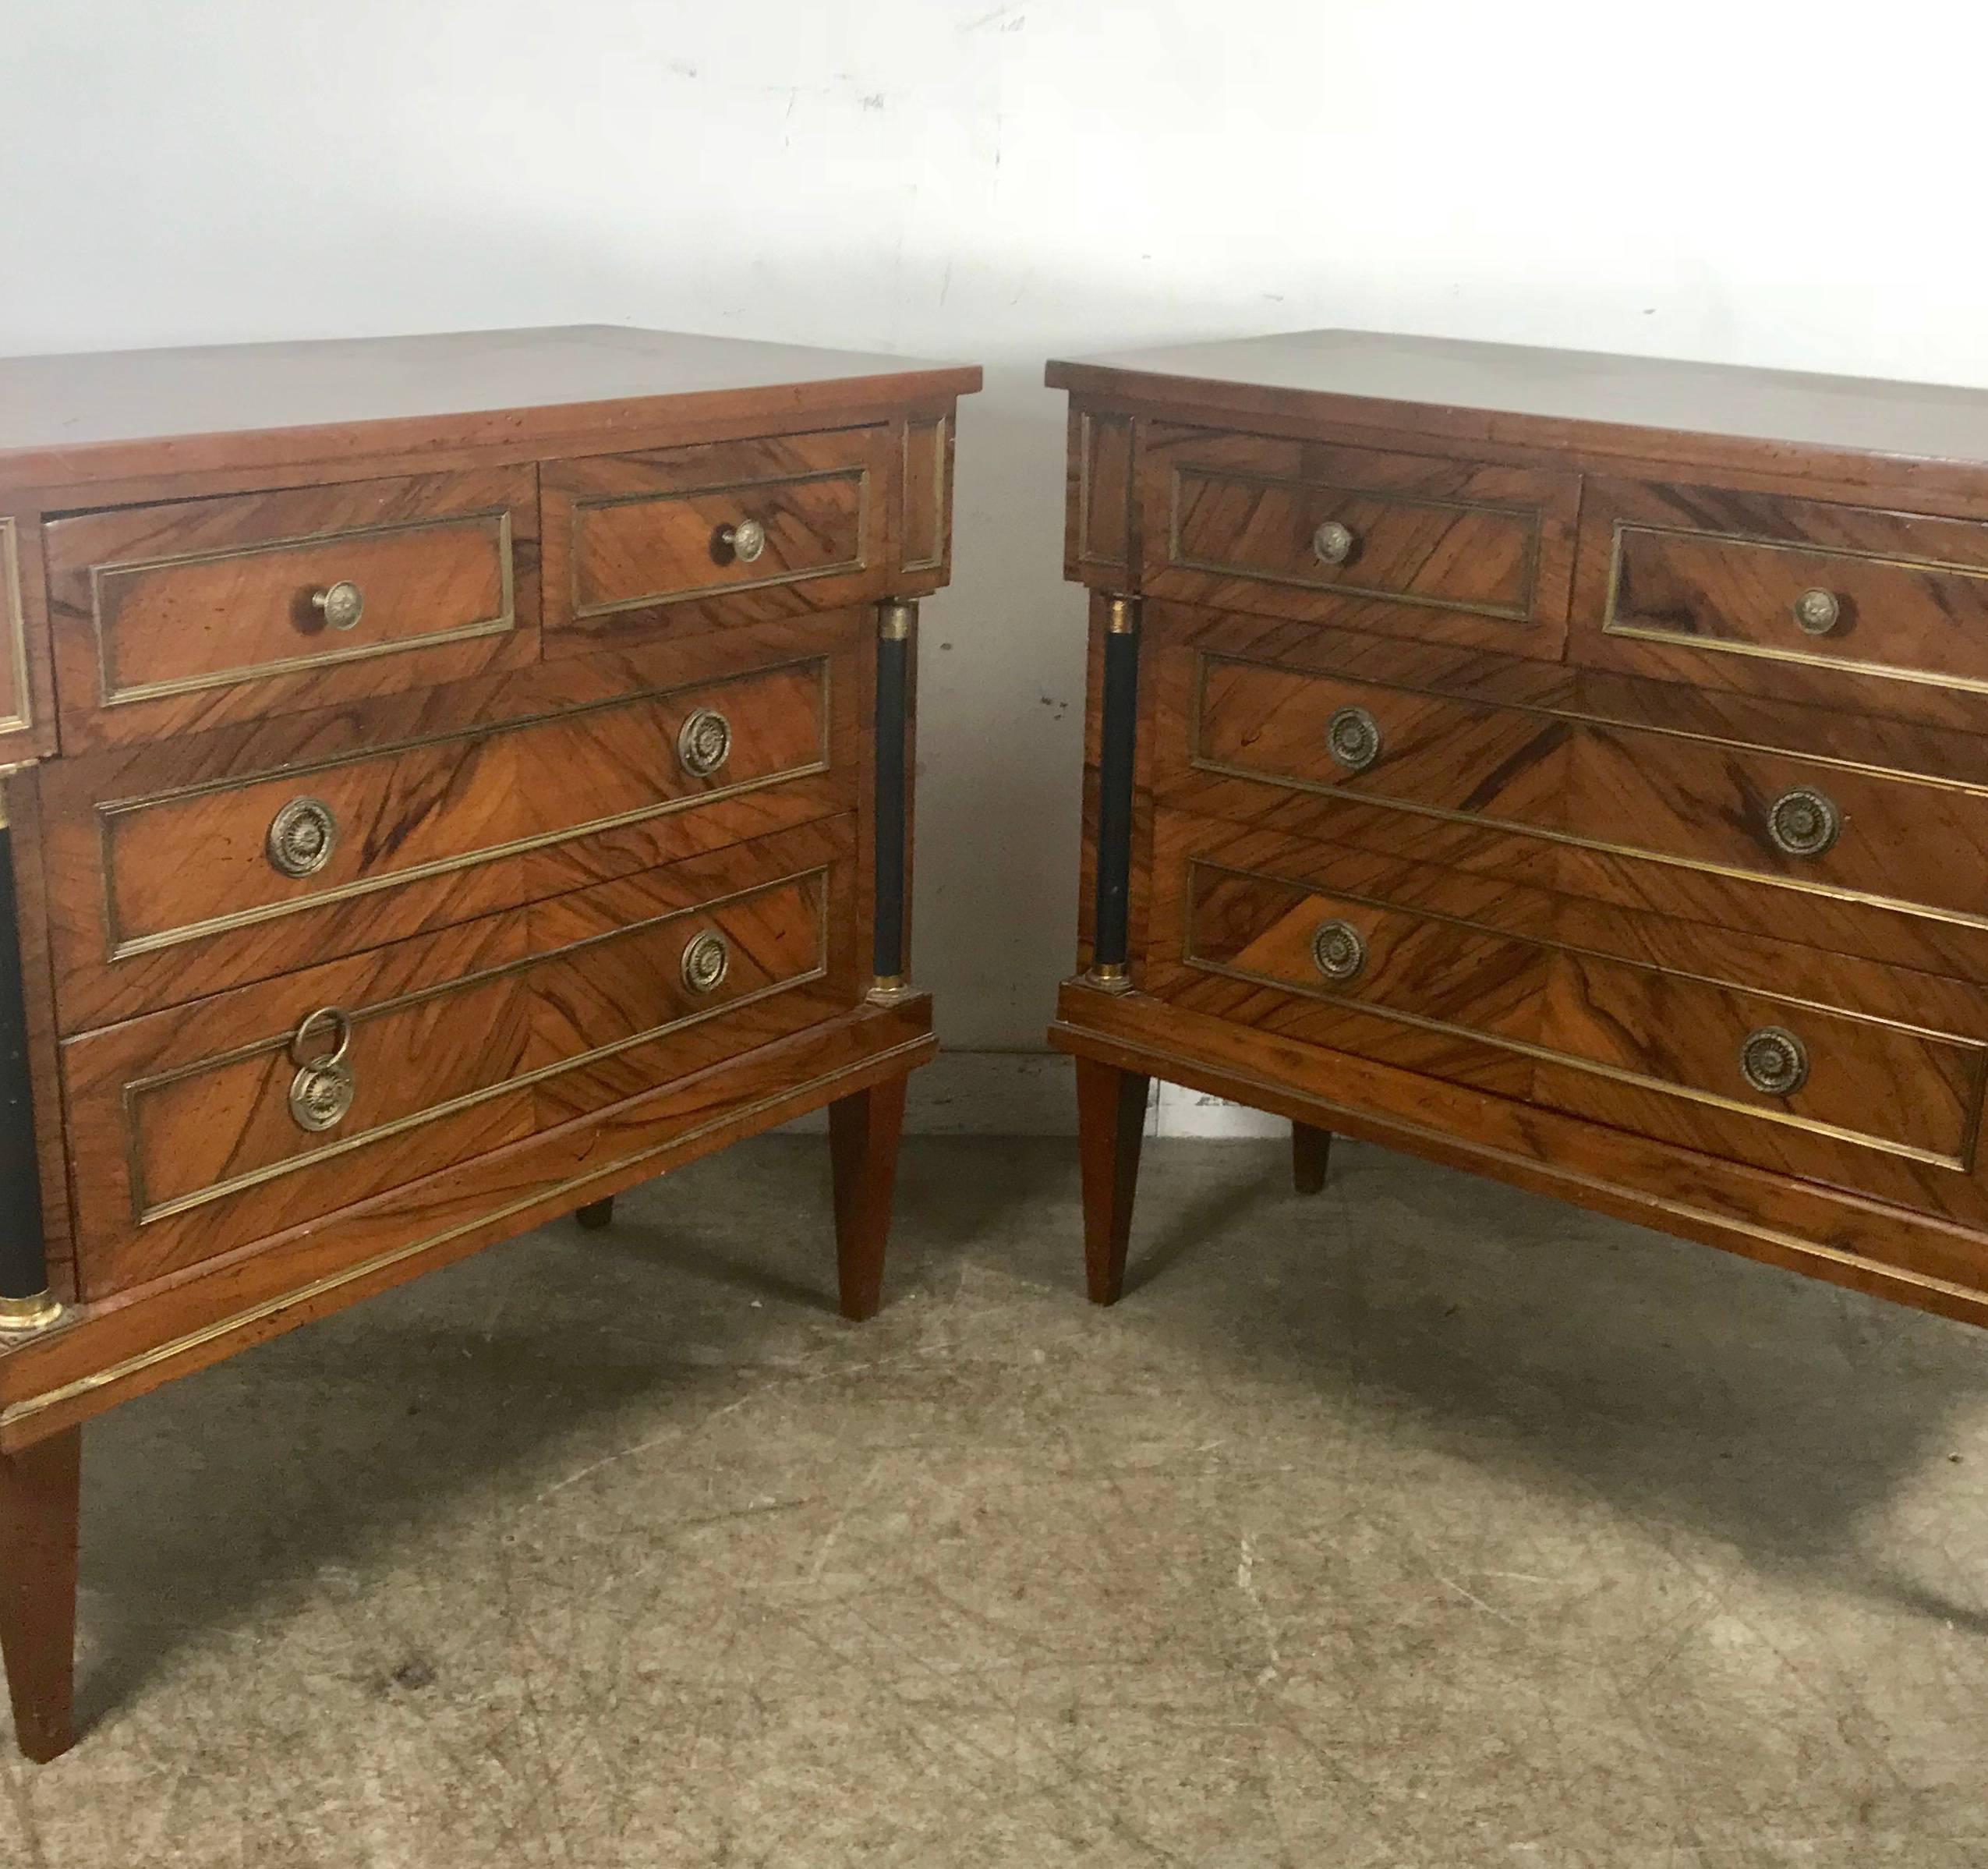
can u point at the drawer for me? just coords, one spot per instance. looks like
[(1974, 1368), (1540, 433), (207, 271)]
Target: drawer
[(1833, 828), (1890, 1108), (1743, 588), (172, 617), (1403, 544), (166, 892), (685, 538), (195, 1131)]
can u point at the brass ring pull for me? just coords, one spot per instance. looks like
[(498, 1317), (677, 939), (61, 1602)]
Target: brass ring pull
[(743, 542), (1353, 737), (1332, 543), (1339, 951), (340, 605), (704, 742), (1774, 1061), (1803, 822), (302, 837), (322, 1091), (706, 962), (1817, 612)]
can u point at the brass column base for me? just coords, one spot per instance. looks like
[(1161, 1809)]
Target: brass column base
[(890, 990), (1109, 976), (35, 1313)]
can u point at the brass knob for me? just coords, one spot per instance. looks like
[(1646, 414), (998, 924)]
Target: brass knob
[(1332, 543), (1774, 1061), (302, 837), (704, 742), (1817, 612), (1353, 737), (322, 1091), (743, 542), (1803, 822), (1339, 951), (340, 605), (706, 962)]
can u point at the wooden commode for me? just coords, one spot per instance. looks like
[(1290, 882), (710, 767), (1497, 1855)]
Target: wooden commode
[(450, 780), (1572, 768)]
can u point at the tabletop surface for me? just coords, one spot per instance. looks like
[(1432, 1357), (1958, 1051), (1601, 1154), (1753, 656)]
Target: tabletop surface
[(101, 398), (1918, 419)]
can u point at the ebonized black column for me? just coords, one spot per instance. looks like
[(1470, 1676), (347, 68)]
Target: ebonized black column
[(895, 621), (24, 1263), (1117, 727)]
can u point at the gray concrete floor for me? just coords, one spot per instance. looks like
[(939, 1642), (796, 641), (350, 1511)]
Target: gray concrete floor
[(1420, 1523)]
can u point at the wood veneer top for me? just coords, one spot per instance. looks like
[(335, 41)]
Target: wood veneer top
[(1510, 392), (153, 411)]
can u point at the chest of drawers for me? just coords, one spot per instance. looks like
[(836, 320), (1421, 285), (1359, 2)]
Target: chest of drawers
[(1571, 768), (448, 781)]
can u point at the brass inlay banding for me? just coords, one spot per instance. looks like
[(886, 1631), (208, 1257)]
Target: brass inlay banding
[(938, 428), (1961, 1161), (13, 630), (144, 1213), (859, 475), (1520, 611), (116, 695), (120, 946)]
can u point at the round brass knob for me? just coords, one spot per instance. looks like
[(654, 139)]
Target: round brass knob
[(743, 542), (1339, 951), (1803, 822), (706, 962), (302, 837), (340, 605), (704, 742), (1353, 737), (1817, 612), (1774, 1061), (1332, 543), (322, 1091)]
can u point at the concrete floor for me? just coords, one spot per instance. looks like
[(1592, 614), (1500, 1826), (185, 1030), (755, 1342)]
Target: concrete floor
[(1421, 1523)]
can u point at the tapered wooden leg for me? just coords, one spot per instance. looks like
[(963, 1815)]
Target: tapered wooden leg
[(39, 1492), (1310, 1150), (1111, 1119), (596, 1214), (863, 1133)]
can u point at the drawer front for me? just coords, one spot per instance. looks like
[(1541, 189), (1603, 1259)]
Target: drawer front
[(187, 615), (685, 538), (1741, 589), (1451, 550), (194, 1131), (1890, 1108), (179, 891), (1809, 824)]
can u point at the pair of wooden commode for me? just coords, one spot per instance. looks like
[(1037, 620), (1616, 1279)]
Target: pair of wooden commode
[(455, 779)]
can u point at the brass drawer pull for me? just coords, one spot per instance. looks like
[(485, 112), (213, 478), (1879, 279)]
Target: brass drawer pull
[(742, 542), (1339, 951), (1803, 822), (1774, 1061), (1817, 612), (340, 605), (1332, 543), (704, 742), (302, 837), (322, 1091), (1353, 737), (706, 962)]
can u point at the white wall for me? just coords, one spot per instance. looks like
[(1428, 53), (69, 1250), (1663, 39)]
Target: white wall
[(1759, 182)]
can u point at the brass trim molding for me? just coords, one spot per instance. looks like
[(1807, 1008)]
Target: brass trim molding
[(143, 1214), (13, 623), (940, 429), (120, 946), (581, 505), (1532, 518), (116, 694), (174, 1347)]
